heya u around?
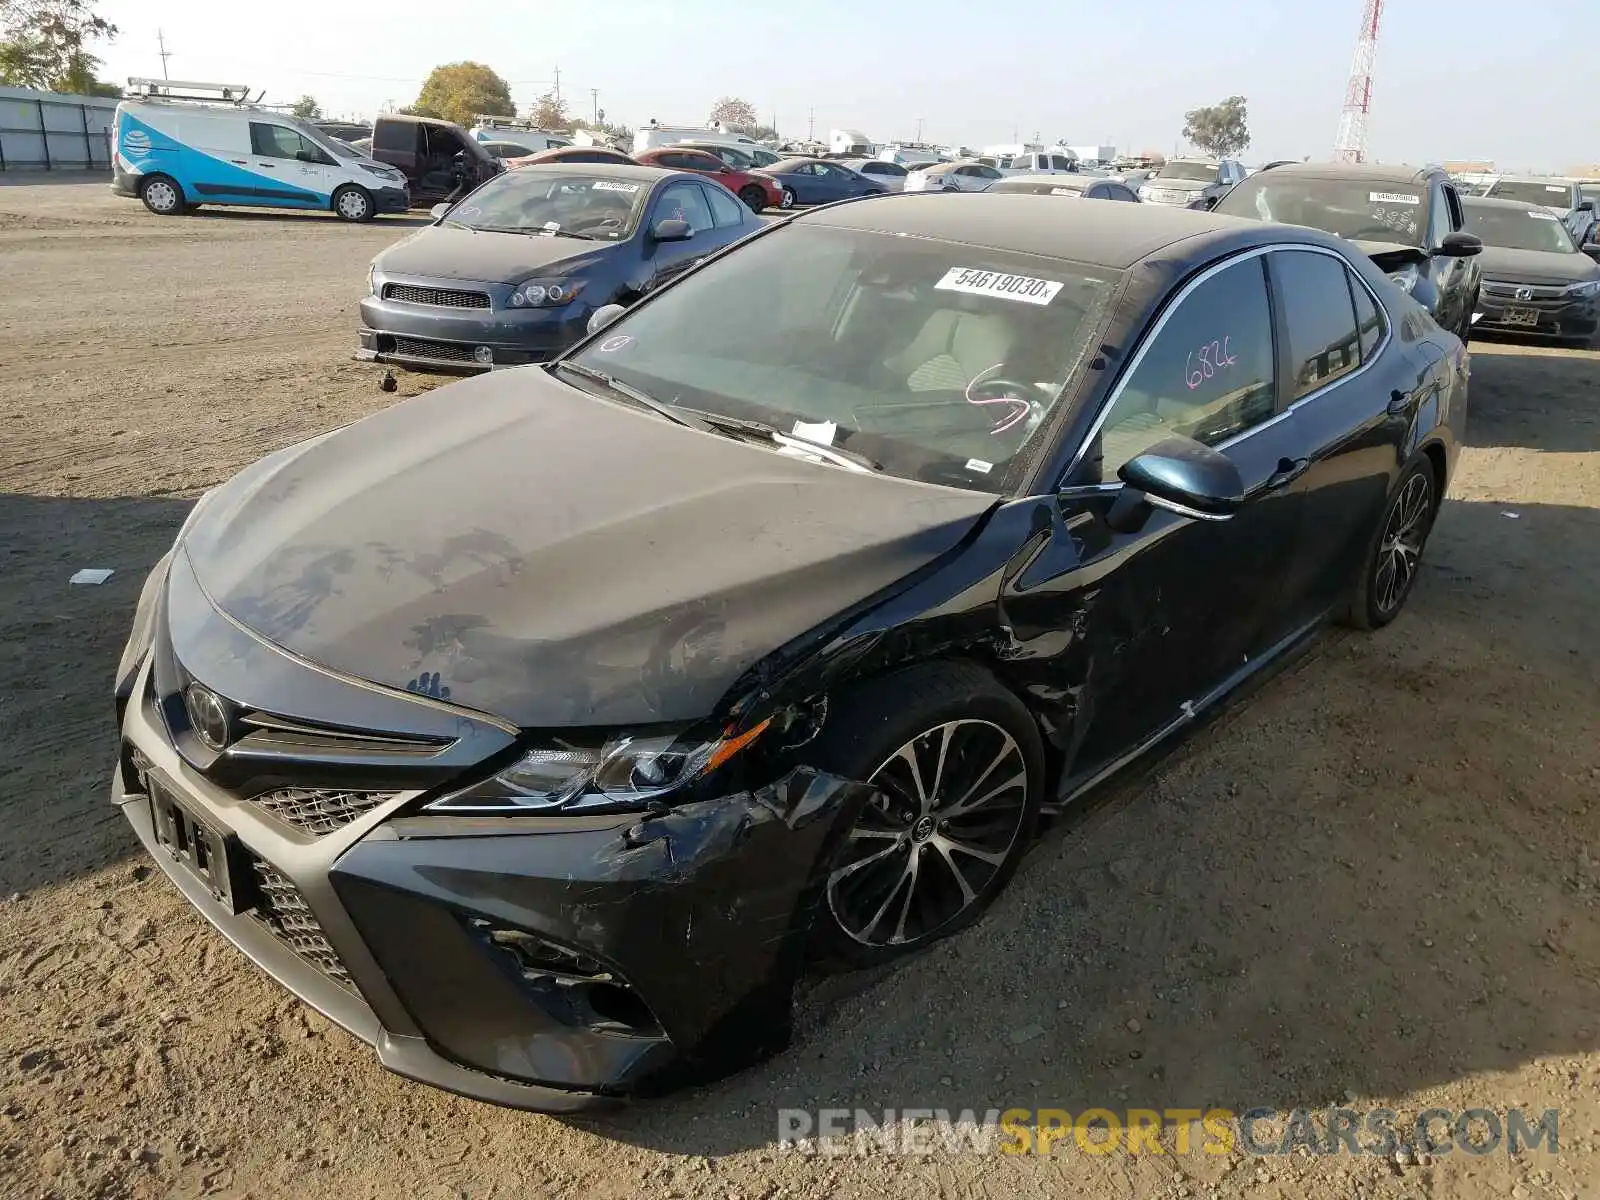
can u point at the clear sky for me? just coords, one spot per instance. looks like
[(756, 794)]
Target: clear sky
[(1456, 79)]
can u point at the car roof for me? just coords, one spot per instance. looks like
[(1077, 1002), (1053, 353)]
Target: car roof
[(1105, 235), (606, 170), (1499, 202), (1391, 172), (1551, 180)]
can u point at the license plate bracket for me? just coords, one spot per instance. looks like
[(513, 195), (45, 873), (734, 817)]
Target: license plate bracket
[(215, 859), (1521, 316)]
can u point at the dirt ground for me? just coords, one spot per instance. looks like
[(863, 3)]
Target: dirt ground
[(1374, 882)]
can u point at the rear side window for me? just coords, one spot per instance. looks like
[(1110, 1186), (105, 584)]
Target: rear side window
[(725, 210), (1369, 318), (1207, 374), (1318, 316), (395, 135)]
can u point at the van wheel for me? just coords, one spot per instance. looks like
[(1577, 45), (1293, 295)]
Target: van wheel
[(754, 198), (161, 195), (352, 203)]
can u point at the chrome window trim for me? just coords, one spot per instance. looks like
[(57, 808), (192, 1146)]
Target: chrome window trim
[(1182, 296)]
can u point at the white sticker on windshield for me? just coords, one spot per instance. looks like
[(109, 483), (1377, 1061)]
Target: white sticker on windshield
[(978, 465), (1393, 198), (605, 185), (820, 432), (1539, 214), (551, 228), (997, 283), (1062, 192), (1550, 187)]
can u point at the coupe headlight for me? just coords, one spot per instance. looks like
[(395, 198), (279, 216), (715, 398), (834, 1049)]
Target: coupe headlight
[(388, 173), (626, 771), (546, 293), (1406, 278), (1590, 288)]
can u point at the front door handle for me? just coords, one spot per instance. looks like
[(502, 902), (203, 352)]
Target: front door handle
[(1289, 469), (1399, 401)]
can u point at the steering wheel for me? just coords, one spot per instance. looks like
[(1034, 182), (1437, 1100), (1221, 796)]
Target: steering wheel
[(1009, 403)]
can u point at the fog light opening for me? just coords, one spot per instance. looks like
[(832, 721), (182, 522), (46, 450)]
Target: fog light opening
[(484, 355), (619, 1006)]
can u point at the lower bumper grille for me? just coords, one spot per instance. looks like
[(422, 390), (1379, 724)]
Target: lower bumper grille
[(424, 348), (284, 911), (318, 811)]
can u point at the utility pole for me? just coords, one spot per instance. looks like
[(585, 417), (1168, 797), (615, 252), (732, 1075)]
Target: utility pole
[(920, 120), (558, 84), (594, 93), (811, 126), (165, 53)]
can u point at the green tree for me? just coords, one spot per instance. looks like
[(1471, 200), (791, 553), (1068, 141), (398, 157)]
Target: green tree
[(306, 108), (460, 91), (1220, 130), (44, 44), (734, 113), (549, 111)]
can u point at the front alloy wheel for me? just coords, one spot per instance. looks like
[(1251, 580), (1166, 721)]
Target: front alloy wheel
[(788, 198), (951, 805)]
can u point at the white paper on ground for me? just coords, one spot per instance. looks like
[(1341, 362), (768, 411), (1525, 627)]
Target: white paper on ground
[(92, 575)]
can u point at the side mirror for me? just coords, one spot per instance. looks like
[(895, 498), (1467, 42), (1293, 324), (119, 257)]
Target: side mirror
[(1592, 249), (1460, 245), (604, 315), (438, 211), (1181, 476), (306, 156), (1586, 206), (672, 229)]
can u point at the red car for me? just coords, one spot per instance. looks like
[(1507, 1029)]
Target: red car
[(571, 154), (756, 190)]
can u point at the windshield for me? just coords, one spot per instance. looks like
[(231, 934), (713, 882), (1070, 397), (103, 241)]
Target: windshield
[(1519, 228), (736, 158), (1362, 210), (343, 149), (1591, 192), (938, 361), (1533, 191), (1204, 172), (554, 200)]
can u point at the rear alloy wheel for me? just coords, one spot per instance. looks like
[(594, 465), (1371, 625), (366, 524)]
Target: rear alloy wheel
[(958, 768), (788, 198), (1396, 556), (352, 203), (754, 198), (161, 196)]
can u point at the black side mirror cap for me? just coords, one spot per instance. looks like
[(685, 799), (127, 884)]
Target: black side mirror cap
[(672, 229), (1460, 245), (1183, 476)]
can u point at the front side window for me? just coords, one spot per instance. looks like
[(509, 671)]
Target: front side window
[(684, 201), (1359, 209), (1318, 315), (1207, 373), (276, 141), (554, 200), (938, 360)]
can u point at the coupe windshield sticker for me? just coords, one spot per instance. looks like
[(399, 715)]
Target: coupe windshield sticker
[(1062, 192), (1550, 187), (614, 343), (1541, 215), (978, 465), (471, 210), (1393, 198), (997, 283), (605, 185)]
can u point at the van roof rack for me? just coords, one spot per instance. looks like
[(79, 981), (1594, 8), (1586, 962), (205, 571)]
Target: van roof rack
[(179, 89), (488, 121)]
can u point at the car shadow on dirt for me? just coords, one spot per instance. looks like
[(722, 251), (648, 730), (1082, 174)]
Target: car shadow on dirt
[(283, 217), (59, 645), (1376, 875), (1538, 398)]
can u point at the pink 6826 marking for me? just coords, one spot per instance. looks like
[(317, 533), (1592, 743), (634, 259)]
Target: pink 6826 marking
[(1212, 357)]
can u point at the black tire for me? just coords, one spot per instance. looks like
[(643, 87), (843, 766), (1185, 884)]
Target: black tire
[(754, 198), (1465, 332), (1397, 544), (788, 200), (354, 204), (162, 195), (984, 751)]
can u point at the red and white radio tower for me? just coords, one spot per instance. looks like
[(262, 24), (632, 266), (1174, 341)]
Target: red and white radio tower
[(1352, 143)]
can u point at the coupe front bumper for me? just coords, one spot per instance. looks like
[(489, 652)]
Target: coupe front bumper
[(555, 963), (465, 339)]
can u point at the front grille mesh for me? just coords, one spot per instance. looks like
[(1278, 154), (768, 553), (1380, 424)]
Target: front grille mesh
[(318, 811), (283, 910), (423, 348), (437, 297)]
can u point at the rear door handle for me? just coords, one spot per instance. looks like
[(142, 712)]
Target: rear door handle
[(1289, 469)]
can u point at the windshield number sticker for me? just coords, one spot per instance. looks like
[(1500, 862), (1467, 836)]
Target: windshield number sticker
[(1550, 187), (996, 283), (1393, 198), (979, 466), (1062, 192), (1541, 215), (605, 185), (1204, 363)]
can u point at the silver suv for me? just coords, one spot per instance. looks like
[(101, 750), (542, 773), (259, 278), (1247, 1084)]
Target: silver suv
[(1189, 182)]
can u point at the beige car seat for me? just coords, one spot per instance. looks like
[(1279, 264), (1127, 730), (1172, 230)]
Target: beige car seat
[(951, 350)]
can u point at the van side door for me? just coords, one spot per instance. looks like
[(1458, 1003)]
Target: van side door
[(292, 168)]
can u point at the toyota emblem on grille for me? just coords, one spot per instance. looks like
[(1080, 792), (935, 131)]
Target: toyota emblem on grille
[(1524, 293), (208, 715)]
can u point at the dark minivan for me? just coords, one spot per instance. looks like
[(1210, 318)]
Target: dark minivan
[(432, 155)]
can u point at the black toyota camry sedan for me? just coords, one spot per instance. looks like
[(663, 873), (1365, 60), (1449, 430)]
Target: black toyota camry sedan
[(540, 730), (511, 273)]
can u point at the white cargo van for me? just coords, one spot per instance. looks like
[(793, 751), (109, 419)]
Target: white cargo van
[(179, 145), (649, 137)]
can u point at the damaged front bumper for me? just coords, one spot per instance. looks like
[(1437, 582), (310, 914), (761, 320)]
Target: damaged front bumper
[(555, 963)]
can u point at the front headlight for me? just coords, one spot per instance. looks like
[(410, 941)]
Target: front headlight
[(1406, 278), (388, 173), (1590, 288), (546, 293), (372, 280), (626, 771)]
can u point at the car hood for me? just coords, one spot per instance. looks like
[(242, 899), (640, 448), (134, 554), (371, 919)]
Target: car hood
[(1537, 266), (445, 252), (523, 548)]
